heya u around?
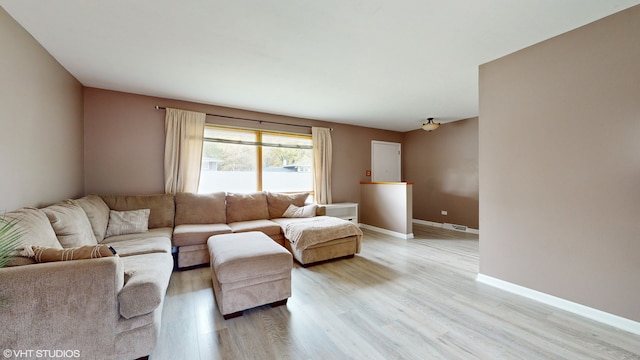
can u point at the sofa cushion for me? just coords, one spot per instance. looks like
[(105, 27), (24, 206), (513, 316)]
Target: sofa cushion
[(162, 207), (127, 222), (46, 254), (152, 233), (243, 207), (71, 224), (300, 212), (267, 227), (98, 213), (146, 283), (279, 202), (147, 245), (35, 229), (194, 234), (201, 208), (321, 210)]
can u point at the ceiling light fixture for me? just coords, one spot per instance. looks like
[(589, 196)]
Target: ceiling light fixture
[(430, 125)]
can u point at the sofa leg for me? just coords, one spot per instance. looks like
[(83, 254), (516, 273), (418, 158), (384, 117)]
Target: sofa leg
[(232, 315), (143, 358), (279, 303)]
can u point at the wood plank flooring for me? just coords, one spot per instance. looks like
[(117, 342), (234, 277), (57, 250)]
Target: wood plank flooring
[(398, 299)]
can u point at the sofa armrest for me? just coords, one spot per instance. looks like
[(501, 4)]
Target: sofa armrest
[(61, 305), (148, 278)]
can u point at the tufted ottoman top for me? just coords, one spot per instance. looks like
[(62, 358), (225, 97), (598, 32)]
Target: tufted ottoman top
[(242, 256)]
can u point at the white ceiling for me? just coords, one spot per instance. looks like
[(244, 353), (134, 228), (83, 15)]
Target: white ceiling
[(386, 64)]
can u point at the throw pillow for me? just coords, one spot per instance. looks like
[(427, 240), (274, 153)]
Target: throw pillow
[(127, 222), (71, 224), (300, 212), (46, 254)]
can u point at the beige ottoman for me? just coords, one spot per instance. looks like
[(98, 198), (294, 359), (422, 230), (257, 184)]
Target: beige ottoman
[(248, 269)]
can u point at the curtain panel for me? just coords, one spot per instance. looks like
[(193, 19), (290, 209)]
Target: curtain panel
[(321, 138), (184, 132)]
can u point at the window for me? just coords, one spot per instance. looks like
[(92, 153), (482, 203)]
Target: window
[(237, 160)]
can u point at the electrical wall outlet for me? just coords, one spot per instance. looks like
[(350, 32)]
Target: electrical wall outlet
[(443, 212)]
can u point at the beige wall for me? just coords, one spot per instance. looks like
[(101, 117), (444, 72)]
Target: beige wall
[(41, 123), (387, 206), (560, 166), (443, 165), (352, 158), (124, 143)]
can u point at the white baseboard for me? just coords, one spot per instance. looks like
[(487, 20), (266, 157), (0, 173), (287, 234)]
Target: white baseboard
[(441, 225), (425, 222), (387, 232), (585, 311)]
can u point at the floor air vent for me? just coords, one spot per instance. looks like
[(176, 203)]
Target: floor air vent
[(455, 227)]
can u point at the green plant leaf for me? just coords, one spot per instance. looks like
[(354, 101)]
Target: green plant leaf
[(10, 236)]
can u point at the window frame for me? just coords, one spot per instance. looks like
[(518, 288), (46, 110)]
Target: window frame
[(259, 145)]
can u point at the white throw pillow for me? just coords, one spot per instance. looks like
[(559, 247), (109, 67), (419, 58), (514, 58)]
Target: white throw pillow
[(128, 222), (300, 212)]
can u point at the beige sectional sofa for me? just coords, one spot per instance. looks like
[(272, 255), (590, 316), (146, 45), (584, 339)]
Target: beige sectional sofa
[(110, 307), (200, 216), (100, 308)]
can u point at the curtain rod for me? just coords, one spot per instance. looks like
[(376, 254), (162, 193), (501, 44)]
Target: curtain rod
[(239, 118)]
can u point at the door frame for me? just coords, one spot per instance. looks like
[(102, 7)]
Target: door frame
[(373, 160)]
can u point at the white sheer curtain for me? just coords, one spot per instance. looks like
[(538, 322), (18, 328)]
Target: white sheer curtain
[(184, 132), (321, 138)]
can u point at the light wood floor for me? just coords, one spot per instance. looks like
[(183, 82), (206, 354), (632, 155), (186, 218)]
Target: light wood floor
[(398, 299)]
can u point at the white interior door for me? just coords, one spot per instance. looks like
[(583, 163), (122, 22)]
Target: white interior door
[(385, 161)]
